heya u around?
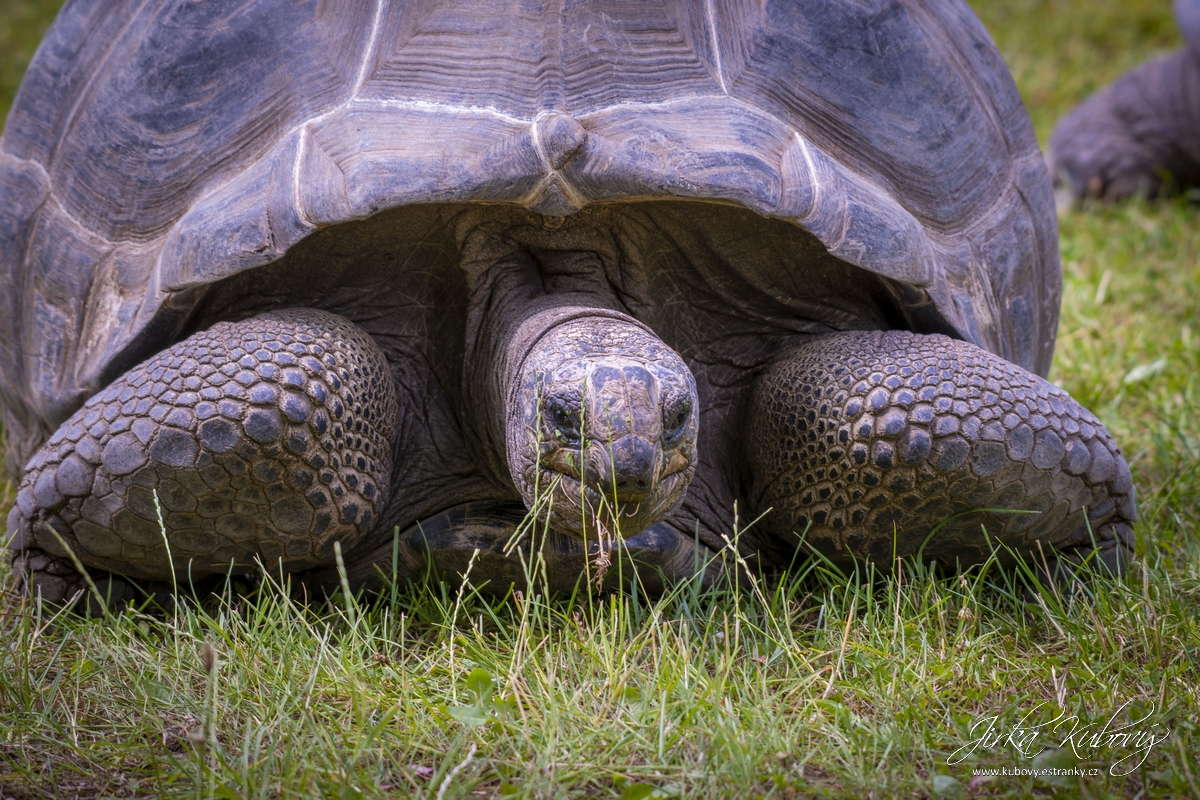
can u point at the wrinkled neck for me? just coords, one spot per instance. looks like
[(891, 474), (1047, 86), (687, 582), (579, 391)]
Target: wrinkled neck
[(510, 311)]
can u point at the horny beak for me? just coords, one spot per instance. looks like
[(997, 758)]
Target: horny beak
[(626, 470)]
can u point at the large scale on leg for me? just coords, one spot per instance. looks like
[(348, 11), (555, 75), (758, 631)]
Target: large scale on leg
[(649, 211), (252, 444), (881, 445)]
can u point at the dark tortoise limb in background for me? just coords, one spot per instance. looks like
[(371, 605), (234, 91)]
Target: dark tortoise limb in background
[(327, 272), (1141, 134)]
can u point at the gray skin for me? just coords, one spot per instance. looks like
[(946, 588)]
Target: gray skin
[(382, 280), (1137, 135)]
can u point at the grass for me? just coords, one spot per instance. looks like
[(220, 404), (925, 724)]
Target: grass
[(818, 686), (22, 23), (822, 686)]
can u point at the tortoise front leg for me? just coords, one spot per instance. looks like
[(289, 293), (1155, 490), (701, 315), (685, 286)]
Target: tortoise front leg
[(268, 439), (873, 441)]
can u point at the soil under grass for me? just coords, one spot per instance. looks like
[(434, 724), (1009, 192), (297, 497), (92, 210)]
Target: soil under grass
[(820, 686)]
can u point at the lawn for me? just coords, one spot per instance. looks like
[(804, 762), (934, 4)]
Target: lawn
[(822, 685)]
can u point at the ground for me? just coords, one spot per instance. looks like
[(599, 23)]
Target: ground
[(823, 685)]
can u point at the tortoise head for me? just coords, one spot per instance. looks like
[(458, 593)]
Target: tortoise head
[(601, 427)]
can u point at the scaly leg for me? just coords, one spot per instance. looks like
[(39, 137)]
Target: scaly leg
[(878, 443), (268, 439)]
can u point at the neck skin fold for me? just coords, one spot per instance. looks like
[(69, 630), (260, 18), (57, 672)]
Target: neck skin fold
[(510, 310)]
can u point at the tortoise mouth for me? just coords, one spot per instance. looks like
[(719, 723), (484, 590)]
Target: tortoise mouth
[(571, 505)]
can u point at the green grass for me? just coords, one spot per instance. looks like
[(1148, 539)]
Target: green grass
[(1060, 51), (824, 686), (817, 686), (22, 23)]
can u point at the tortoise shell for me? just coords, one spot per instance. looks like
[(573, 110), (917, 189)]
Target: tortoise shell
[(158, 149)]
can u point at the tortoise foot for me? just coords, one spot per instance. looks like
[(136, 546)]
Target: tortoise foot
[(471, 540), (1110, 551), (55, 582), (262, 440), (877, 445)]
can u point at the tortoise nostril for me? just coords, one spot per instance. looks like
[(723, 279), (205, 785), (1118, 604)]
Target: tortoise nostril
[(626, 470)]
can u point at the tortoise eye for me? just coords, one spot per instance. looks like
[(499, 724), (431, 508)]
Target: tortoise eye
[(565, 423), (675, 419)]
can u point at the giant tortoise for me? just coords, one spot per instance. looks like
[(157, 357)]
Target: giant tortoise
[(1141, 134), (306, 284)]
